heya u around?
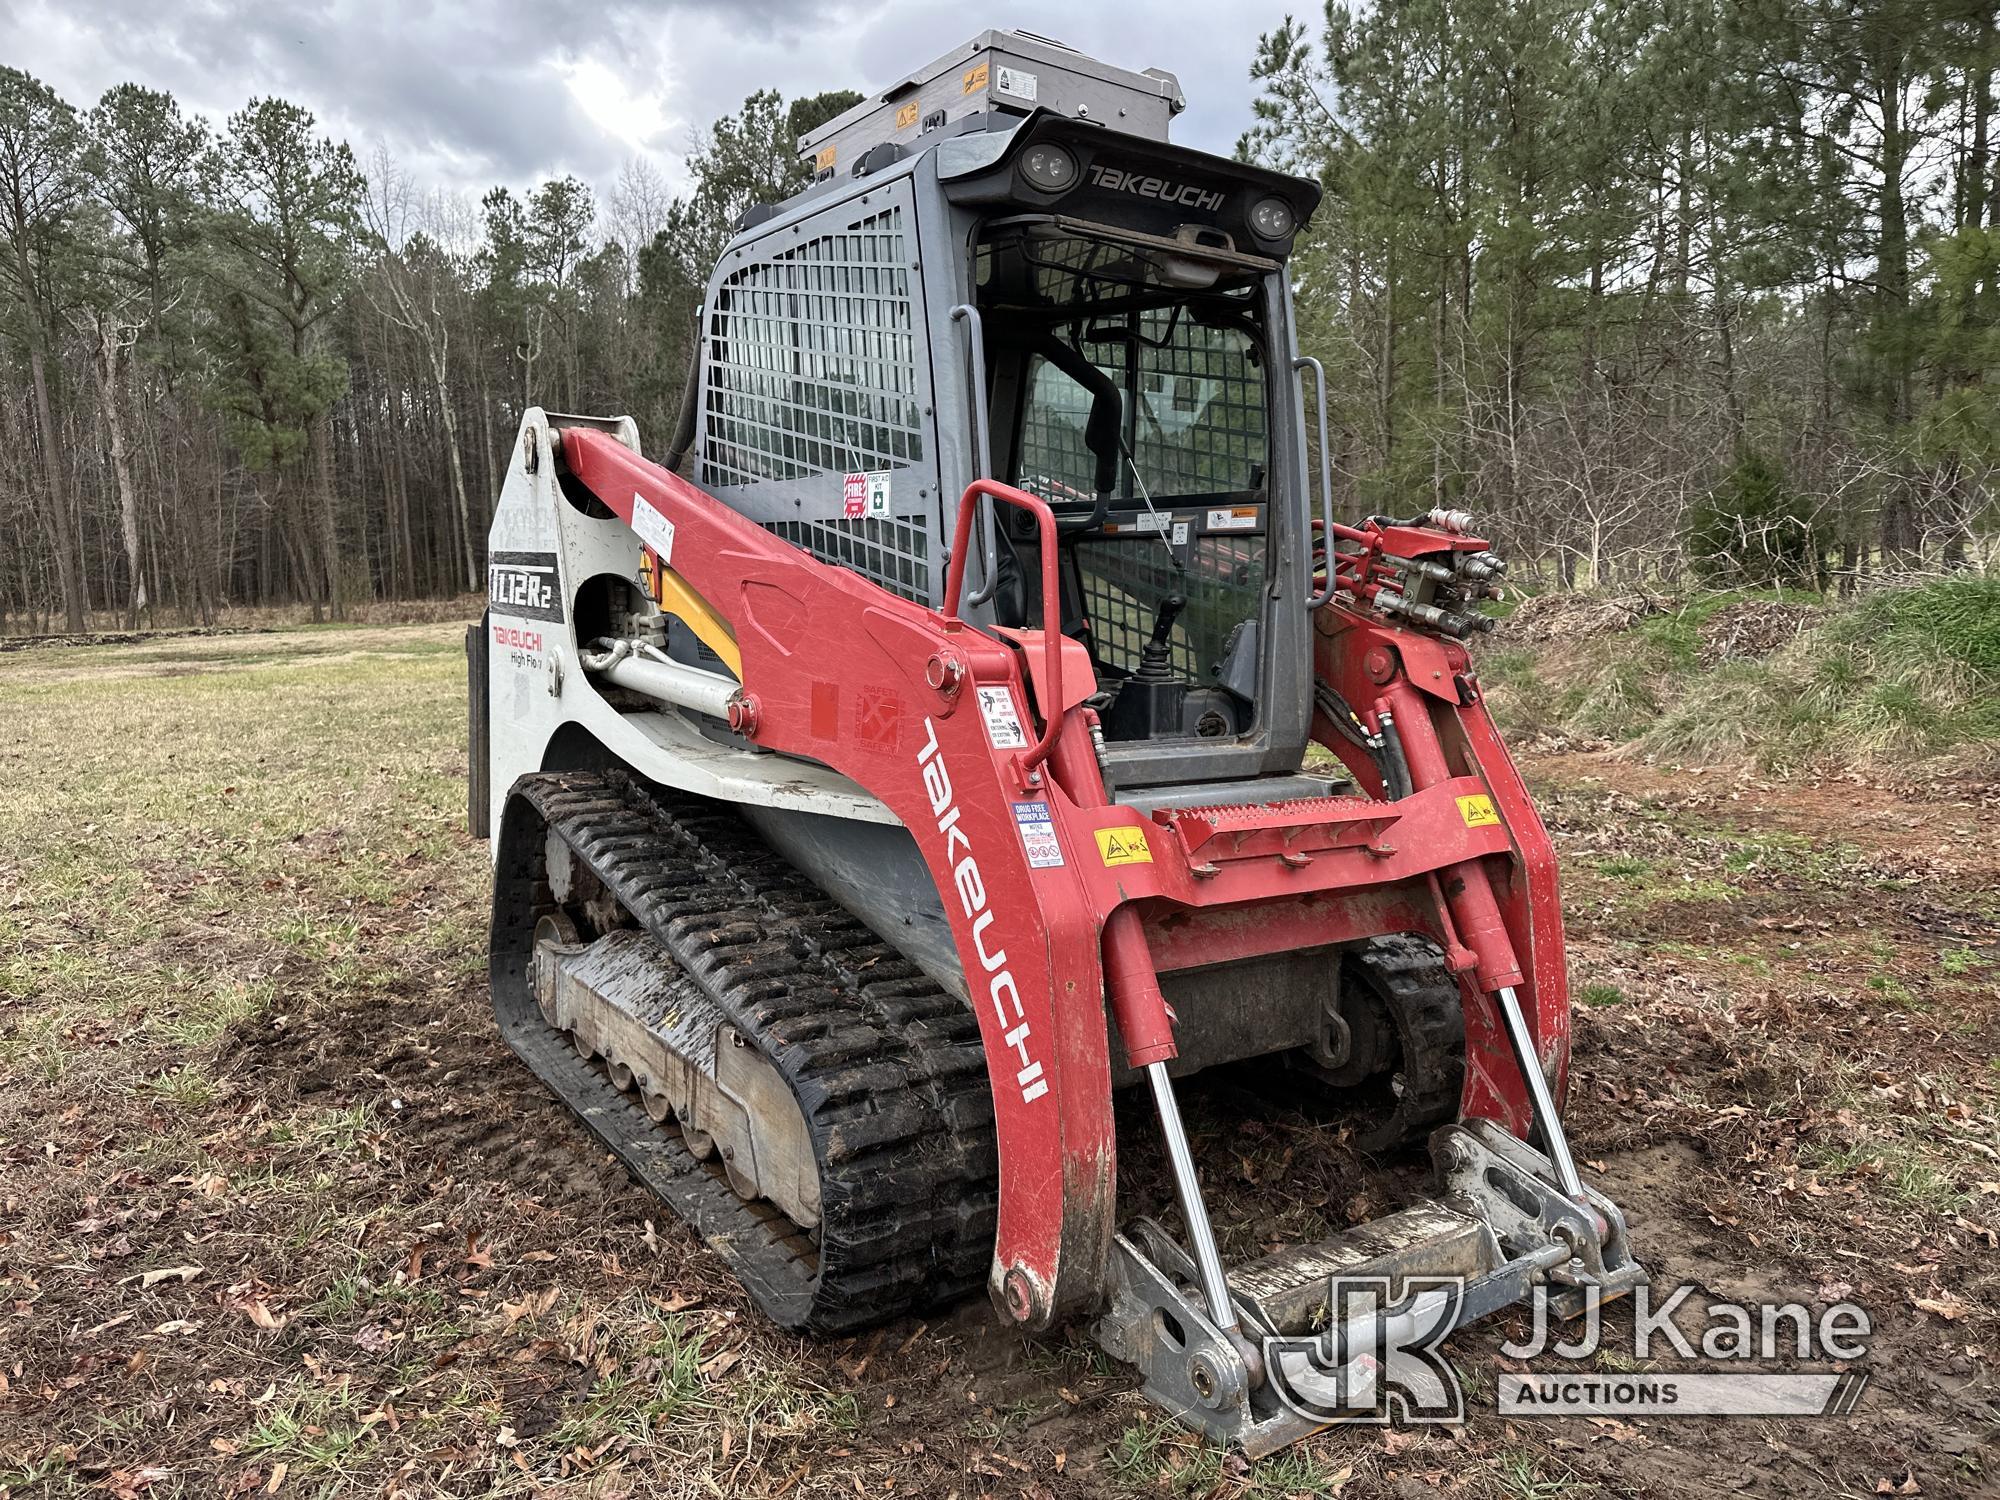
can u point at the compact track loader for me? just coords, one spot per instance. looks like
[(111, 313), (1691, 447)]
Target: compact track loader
[(977, 710)]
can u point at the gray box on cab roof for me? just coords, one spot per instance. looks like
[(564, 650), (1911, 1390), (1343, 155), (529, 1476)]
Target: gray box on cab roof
[(1012, 71)]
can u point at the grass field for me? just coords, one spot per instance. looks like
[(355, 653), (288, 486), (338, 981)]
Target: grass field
[(280, 1215)]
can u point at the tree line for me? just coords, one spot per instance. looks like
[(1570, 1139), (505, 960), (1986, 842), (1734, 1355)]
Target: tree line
[(1645, 283), (1653, 282), (241, 366)]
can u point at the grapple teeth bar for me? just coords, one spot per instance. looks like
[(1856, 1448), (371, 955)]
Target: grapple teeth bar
[(1500, 1227)]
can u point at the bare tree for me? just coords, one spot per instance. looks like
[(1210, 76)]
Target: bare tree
[(43, 181), (415, 276)]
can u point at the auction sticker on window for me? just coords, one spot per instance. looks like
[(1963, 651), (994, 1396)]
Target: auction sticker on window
[(1003, 724), (654, 529), (1038, 835)]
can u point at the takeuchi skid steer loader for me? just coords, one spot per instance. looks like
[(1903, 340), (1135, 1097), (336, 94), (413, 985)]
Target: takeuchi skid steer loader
[(869, 805)]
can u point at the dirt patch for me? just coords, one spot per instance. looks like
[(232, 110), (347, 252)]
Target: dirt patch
[(280, 1212), (118, 638)]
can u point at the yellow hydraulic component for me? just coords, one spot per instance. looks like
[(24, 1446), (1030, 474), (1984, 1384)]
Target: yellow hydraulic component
[(671, 592)]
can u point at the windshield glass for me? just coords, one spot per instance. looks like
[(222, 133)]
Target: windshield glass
[(1173, 349), (1193, 409)]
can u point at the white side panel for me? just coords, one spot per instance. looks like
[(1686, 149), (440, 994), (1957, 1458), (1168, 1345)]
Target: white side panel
[(541, 551)]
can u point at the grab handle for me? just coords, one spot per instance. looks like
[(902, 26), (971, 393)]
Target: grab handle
[(982, 437), (1315, 600), (1052, 640)]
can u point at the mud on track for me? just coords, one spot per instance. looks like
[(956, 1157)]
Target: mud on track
[(279, 1212)]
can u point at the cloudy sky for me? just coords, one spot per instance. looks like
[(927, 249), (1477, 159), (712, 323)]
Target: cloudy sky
[(466, 93)]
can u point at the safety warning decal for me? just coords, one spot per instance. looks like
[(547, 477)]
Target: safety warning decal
[(654, 529), (1241, 518), (975, 79), (1003, 724), (906, 115), (865, 494), (1123, 846), (1477, 811), (1014, 82), (1038, 835)]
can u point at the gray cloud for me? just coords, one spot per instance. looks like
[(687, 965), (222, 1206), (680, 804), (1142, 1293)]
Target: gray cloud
[(467, 94)]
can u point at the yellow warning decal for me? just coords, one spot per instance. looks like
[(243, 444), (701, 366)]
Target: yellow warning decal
[(825, 159), (1477, 810), (1124, 846), (975, 79), (906, 116)]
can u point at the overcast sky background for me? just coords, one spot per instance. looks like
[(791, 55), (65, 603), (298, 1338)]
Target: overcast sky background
[(467, 93)]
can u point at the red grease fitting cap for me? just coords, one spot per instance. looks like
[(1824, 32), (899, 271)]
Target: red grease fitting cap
[(1380, 664)]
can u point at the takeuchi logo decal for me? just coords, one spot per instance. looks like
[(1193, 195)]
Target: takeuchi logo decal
[(1145, 185), (1002, 992)]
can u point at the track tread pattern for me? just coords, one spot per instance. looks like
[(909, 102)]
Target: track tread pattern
[(888, 1068), (1429, 1017)]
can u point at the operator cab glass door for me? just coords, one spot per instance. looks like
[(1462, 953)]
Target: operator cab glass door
[(1126, 363)]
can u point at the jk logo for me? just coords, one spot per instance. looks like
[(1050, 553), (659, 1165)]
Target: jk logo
[(1377, 1360)]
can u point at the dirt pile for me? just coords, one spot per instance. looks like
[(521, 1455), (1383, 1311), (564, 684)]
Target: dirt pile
[(1572, 617), (1752, 629)]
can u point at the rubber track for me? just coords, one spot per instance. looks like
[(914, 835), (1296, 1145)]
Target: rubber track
[(887, 1067), (1429, 1017)]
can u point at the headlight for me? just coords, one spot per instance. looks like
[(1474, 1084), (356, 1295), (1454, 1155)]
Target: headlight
[(1050, 168), (1272, 218)]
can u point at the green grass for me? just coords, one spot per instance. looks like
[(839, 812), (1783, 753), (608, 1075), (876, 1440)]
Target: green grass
[(1521, 1475), (1897, 676), (186, 1088), (1959, 960), (1626, 867), (1155, 1455), (1901, 1169)]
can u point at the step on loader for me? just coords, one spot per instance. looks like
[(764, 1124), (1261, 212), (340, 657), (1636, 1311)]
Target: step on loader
[(977, 709)]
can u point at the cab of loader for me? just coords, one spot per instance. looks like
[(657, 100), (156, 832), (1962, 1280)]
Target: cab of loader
[(1080, 310)]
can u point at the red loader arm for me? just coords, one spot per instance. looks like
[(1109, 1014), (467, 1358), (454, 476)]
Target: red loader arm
[(937, 720)]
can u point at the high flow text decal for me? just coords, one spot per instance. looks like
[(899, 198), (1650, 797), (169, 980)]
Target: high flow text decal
[(1140, 185), (1001, 991), (524, 584)]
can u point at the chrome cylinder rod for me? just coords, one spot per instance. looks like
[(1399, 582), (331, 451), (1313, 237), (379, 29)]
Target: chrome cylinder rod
[(1539, 1098), (645, 670), (1201, 1237)]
